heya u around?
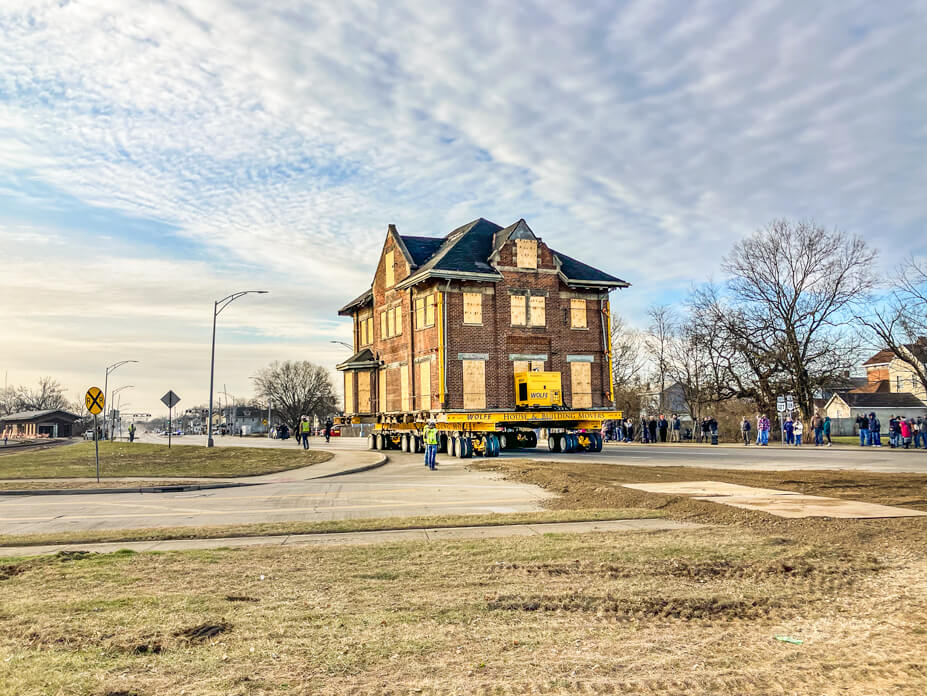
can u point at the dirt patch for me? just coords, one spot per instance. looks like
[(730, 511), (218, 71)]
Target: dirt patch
[(203, 632), (700, 608), (240, 598), (10, 570)]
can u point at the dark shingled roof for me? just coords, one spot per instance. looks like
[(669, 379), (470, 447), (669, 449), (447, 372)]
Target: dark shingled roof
[(362, 358), (579, 271), (34, 415), (881, 400), (359, 301), (466, 249), (422, 248)]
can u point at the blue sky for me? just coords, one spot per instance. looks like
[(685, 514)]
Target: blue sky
[(156, 156)]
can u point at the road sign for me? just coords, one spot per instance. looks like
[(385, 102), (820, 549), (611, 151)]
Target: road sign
[(170, 399), (94, 400), (780, 404), (789, 403)]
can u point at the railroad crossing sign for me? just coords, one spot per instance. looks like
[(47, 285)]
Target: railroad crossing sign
[(94, 400), (170, 399)]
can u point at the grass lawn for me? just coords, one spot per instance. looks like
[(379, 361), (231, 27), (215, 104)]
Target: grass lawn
[(90, 536), (693, 612), (142, 459)]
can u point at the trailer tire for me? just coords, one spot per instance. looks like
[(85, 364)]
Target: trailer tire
[(492, 446), (506, 441), (405, 443), (465, 445), (571, 443), (532, 439), (443, 443), (554, 443), (380, 441), (372, 441), (596, 442), (418, 444)]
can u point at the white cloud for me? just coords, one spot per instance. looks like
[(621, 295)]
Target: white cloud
[(643, 137)]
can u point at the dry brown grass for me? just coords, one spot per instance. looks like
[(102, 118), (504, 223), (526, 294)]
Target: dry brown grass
[(690, 612)]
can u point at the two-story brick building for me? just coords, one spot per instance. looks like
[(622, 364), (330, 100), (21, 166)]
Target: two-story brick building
[(447, 322)]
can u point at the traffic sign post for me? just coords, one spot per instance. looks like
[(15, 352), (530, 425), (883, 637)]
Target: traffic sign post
[(780, 408), (170, 400), (94, 401)]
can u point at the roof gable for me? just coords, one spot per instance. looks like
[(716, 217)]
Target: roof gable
[(518, 230)]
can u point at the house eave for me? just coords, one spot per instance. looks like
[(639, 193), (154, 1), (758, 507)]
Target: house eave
[(447, 275)]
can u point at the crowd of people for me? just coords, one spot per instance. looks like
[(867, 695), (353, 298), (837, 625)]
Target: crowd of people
[(902, 431), (653, 428)]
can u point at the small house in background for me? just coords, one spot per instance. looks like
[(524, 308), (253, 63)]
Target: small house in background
[(844, 408), (887, 373), (35, 424), (673, 401)]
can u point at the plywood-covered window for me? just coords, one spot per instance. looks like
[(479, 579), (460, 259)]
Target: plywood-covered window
[(537, 366), (424, 385), (474, 384), (581, 384), (425, 311), (526, 253), (381, 391), (389, 269), (420, 313), (430, 310), (383, 326), (404, 387), (473, 307), (520, 366), (519, 309), (349, 392), (537, 315), (394, 389), (398, 312), (363, 392), (578, 314), (362, 333), (369, 323), (390, 323)]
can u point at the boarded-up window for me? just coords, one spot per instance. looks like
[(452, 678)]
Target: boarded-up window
[(537, 317), (581, 384), (404, 383), (526, 252), (578, 314), (349, 392), (393, 390), (473, 307), (398, 321), (420, 313), (520, 366), (474, 384), (363, 392), (424, 385), (370, 330), (537, 366), (390, 323), (383, 326), (381, 391), (363, 332), (430, 310), (518, 303), (389, 269)]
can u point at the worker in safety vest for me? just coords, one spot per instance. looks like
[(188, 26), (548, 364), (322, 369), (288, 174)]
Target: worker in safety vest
[(431, 444), (304, 429)]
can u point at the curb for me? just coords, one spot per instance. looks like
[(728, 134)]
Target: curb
[(143, 489), (367, 467)]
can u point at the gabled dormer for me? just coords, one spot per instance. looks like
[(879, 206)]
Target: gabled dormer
[(517, 248)]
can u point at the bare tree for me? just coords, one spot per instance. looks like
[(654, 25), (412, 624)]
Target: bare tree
[(296, 388), (659, 336), (799, 284), (48, 395), (628, 361), (900, 322)]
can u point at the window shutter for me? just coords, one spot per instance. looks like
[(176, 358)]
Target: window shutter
[(537, 311), (518, 309)]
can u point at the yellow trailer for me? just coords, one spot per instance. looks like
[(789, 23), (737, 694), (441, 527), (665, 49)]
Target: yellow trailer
[(486, 433)]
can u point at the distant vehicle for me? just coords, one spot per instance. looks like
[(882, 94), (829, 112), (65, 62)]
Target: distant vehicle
[(88, 434)]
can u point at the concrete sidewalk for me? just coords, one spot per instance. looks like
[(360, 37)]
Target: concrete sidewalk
[(359, 538)]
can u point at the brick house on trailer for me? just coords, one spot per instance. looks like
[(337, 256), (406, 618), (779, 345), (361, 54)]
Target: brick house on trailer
[(448, 321)]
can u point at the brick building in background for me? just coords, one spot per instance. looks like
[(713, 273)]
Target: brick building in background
[(448, 321)]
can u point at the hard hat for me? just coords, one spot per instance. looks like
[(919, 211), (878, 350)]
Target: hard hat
[(431, 421)]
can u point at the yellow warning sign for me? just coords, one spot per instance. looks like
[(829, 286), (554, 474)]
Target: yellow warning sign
[(94, 400)]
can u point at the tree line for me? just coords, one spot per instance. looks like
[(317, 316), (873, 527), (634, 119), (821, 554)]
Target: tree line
[(799, 309)]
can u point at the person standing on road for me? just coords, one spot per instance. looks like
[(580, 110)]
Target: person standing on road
[(745, 431), (875, 427), (817, 425), (663, 426), (304, 429), (431, 444), (652, 426), (675, 427), (826, 429), (904, 429), (328, 429), (789, 427), (798, 429)]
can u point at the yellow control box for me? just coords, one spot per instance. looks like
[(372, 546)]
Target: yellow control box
[(538, 389)]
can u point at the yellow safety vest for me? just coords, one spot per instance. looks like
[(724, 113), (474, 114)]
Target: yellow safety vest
[(305, 427), (431, 436)]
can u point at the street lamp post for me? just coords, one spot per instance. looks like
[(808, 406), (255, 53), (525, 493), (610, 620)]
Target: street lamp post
[(217, 307), (343, 343), (112, 411), (112, 368)]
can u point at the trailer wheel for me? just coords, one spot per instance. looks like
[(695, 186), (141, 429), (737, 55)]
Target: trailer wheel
[(418, 444), (452, 445), (443, 443), (404, 444), (554, 443), (506, 441), (465, 447), (571, 443), (492, 446), (596, 442), (372, 441), (531, 439)]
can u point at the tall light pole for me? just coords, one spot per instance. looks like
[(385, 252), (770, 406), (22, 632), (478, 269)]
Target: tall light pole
[(217, 307), (343, 343), (112, 368), (112, 411)]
